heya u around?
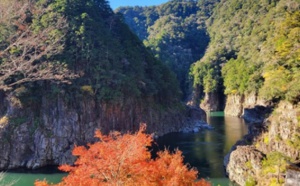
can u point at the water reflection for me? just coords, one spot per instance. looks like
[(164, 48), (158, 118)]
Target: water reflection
[(234, 132), (205, 150), (28, 179)]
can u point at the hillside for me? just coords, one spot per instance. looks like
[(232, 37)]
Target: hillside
[(112, 64), (252, 45), (250, 69), (175, 32), (68, 67), (253, 62)]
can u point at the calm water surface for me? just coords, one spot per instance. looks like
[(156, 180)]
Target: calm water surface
[(204, 150), (27, 178)]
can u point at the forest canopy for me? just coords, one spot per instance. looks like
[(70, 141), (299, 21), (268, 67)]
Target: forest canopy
[(254, 48), (175, 32), (57, 42)]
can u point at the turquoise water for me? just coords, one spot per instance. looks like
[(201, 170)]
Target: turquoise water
[(215, 114), (25, 179), (28, 179), (204, 150)]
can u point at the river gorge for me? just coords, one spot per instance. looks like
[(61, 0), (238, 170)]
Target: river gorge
[(204, 150)]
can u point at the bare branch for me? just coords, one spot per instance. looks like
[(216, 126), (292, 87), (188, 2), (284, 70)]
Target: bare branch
[(28, 56)]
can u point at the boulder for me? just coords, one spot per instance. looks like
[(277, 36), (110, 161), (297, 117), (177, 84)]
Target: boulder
[(244, 164)]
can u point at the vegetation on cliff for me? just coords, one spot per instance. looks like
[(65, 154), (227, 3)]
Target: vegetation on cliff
[(82, 43), (254, 48), (81, 49), (68, 67), (126, 160), (175, 32), (30, 37)]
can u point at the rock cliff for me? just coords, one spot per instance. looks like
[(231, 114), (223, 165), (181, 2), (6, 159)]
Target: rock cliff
[(234, 105), (250, 107), (82, 70), (34, 137), (212, 102), (262, 156)]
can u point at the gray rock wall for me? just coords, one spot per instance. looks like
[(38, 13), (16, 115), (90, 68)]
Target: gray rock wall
[(244, 164), (292, 177), (279, 133), (46, 133), (212, 102), (237, 105), (234, 105), (283, 132)]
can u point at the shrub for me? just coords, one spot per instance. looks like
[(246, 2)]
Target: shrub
[(274, 165), (250, 182)]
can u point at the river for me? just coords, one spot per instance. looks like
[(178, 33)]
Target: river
[(204, 150)]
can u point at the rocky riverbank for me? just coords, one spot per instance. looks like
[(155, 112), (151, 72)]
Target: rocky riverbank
[(262, 157)]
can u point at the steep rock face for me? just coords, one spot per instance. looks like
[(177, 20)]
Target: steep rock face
[(277, 139), (82, 69), (239, 105), (212, 102), (234, 105), (283, 132), (35, 140)]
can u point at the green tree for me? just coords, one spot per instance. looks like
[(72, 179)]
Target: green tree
[(175, 32), (236, 75), (253, 42)]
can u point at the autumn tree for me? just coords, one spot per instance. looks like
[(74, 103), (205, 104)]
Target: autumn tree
[(126, 160), (31, 34)]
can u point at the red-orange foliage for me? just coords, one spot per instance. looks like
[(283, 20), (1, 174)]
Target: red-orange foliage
[(125, 160)]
